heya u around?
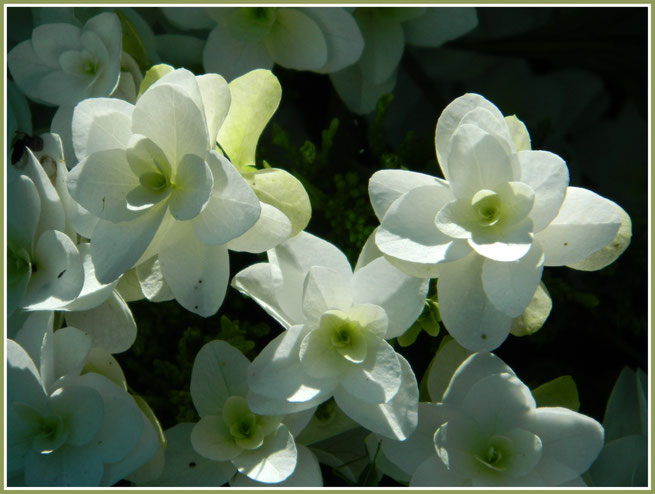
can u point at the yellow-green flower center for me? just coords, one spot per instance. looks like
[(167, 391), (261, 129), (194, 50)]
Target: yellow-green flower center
[(487, 205)]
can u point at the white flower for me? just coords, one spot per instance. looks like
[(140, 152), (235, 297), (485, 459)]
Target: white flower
[(303, 38), (259, 447), (487, 431), (502, 214), (166, 193), (44, 267), (63, 64), (334, 345), (66, 429), (386, 30)]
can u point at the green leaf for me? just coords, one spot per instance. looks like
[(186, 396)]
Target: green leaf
[(409, 336), (132, 43), (560, 392)]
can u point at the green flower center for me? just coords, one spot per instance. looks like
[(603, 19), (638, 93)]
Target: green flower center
[(487, 205), (248, 430), (154, 181), (497, 454)]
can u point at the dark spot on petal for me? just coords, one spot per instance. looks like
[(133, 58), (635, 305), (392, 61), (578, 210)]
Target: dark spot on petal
[(484, 336), (195, 306), (61, 274), (192, 464), (199, 282), (566, 244)]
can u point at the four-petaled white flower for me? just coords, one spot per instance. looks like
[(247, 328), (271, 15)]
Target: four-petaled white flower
[(502, 214), (63, 64), (337, 323), (260, 447), (151, 176), (487, 431)]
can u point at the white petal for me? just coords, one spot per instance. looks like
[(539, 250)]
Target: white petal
[(272, 228), (256, 281), (499, 403), (178, 127), (273, 462), (473, 369), (571, 442), (401, 296), (292, 260), (219, 371), (504, 246), (196, 273), (28, 69), (233, 207), (477, 160), (385, 186), (23, 210), (151, 282), (112, 258), (466, 311), (410, 453), (377, 379), (185, 467), (369, 252), (93, 292), (192, 189), (450, 119), (585, 223), (23, 379), (511, 285), (408, 231), (433, 473), (277, 373), (439, 25), (107, 27), (100, 124), (59, 275), (384, 43), (67, 467), (52, 215), (306, 474), (101, 182), (344, 40), (231, 57), (396, 419), (216, 100), (110, 325), (122, 425), (84, 409), (71, 347), (548, 176), (325, 289), (295, 41), (212, 439)]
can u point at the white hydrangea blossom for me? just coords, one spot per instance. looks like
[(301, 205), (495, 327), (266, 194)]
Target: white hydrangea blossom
[(487, 431), (337, 323), (230, 442), (487, 231), (63, 64), (168, 193), (68, 427), (322, 40)]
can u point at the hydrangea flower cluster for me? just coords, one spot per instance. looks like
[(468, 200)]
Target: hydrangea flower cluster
[(148, 178)]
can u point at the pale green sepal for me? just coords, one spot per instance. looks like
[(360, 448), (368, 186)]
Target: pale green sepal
[(560, 392), (608, 254), (283, 191), (153, 74), (535, 314), (255, 97)]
